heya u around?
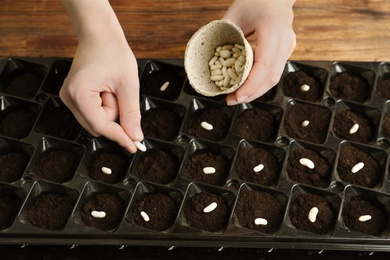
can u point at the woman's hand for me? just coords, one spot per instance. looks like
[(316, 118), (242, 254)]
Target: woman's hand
[(271, 21)]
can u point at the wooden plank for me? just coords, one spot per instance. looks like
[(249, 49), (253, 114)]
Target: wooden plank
[(326, 29)]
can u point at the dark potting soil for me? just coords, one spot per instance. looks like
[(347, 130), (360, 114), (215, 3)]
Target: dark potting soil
[(254, 204), (350, 87), (300, 208), (12, 165), (358, 207), (9, 208), (203, 159), (212, 221), (160, 208), (60, 122), (50, 211), (217, 117), (57, 165), (23, 84), (151, 86), (248, 158), (369, 176), (343, 122), (256, 124), (110, 203), (16, 123), (158, 166), (161, 123), (317, 129), (293, 82), (383, 87), (319, 176), (116, 162)]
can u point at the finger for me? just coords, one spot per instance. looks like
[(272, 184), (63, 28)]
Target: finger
[(129, 109), (110, 105)]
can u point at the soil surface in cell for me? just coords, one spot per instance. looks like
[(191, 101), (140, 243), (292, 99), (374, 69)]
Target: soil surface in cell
[(23, 84), (60, 122), (345, 120), (158, 166), (316, 117), (249, 158), (350, 87), (253, 204), (12, 165), (303, 204), (111, 204), (356, 208), (161, 210), (116, 164), (256, 124), (294, 81), (212, 221), (16, 123), (50, 211), (161, 123), (218, 118)]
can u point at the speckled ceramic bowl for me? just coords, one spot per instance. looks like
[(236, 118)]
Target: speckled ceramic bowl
[(201, 48)]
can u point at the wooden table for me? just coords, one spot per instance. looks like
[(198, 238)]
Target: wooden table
[(354, 30)]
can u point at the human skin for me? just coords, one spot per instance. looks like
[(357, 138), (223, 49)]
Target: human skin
[(103, 82)]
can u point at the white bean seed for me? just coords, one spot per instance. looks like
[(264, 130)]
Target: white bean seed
[(140, 146), (216, 67), (206, 125), (144, 216), (214, 59), (210, 207), (305, 123), (106, 170), (227, 47), (258, 168), (305, 87), (313, 214), (232, 73), (209, 170), (229, 62), (307, 162), (216, 77), (216, 72), (260, 221), (225, 54), (164, 86), (239, 46), (98, 214), (354, 129), (236, 50), (364, 218), (357, 167)]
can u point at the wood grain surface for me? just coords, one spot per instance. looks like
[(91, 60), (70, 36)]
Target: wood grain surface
[(354, 30)]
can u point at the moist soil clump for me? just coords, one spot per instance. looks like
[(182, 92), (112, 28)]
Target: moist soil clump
[(295, 80), (346, 119), (350, 87), (217, 117), (161, 210), (199, 161), (256, 124), (358, 207), (57, 165), (158, 166), (249, 158), (50, 211), (318, 122), (254, 204), (111, 204), (369, 176), (210, 221), (9, 208), (319, 176), (12, 165), (160, 123), (300, 208), (16, 123), (115, 162)]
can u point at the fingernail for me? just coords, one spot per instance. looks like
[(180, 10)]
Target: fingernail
[(242, 99), (232, 102), (137, 132)]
